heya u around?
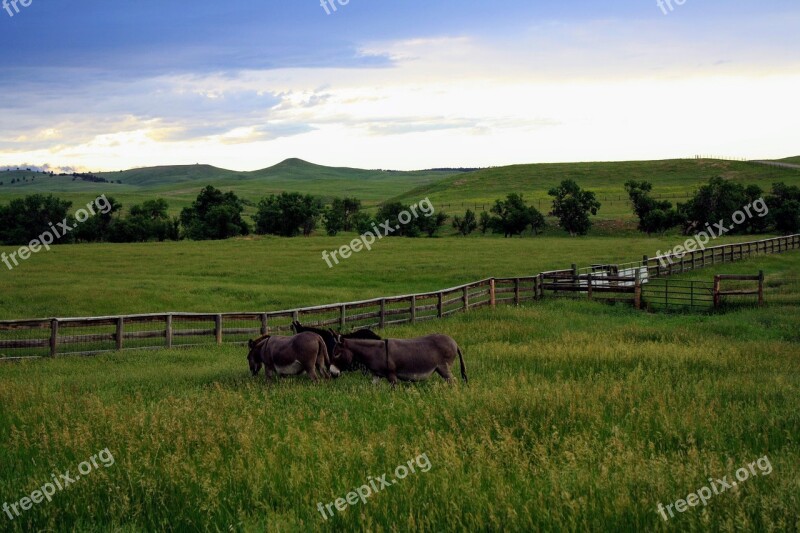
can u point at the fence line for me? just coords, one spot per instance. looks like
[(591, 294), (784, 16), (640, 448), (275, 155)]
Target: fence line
[(36, 338)]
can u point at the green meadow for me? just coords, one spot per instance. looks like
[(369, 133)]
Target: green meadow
[(271, 273), (577, 416)]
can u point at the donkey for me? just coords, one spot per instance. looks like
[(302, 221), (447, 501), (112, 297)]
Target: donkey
[(289, 356), (329, 336), (404, 359)]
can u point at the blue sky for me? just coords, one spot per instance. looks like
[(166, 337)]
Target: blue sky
[(102, 85)]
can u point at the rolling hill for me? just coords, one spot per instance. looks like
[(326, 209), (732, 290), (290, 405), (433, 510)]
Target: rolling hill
[(671, 179), (450, 190)]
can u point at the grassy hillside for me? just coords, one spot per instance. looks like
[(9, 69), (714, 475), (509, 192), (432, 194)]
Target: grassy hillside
[(180, 184), (577, 416), (452, 192), (672, 179), (793, 160)]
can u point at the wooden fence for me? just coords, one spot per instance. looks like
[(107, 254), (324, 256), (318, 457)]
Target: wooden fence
[(23, 339), (758, 291)]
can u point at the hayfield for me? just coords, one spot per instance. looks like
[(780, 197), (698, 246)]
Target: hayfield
[(578, 415)]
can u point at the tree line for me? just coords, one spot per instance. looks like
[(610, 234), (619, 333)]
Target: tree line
[(220, 215), (718, 200)]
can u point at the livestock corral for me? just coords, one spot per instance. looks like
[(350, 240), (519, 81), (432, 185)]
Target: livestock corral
[(578, 415)]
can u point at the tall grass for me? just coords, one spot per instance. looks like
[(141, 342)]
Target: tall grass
[(578, 416)]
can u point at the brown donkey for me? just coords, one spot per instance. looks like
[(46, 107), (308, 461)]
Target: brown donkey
[(289, 356), (404, 359)]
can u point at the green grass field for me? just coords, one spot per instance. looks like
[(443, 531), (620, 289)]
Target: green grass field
[(578, 416), (270, 273)]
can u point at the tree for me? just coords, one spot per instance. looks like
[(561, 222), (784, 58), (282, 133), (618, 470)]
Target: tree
[(654, 216), (149, 221), (784, 208), (485, 222), (97, 228), (717, 200), (430, 225), (467, 224), (214, 215), (537, 220), (572, 206), (24, 219), (342, 215), (513, 216), (288, 214), (391, 212)]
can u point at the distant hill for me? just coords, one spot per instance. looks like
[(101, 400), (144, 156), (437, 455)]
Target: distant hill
[(180, 184), (671, 179), (154, 176), (792, 160), (453, 190)]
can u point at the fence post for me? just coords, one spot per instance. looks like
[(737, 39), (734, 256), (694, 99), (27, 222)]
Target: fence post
[(760, 288), (516, 291), (168, 331), (383, 313), (589, 285), (342, 316), (218, 328), (645, 263), (120, 332), (264, 323), (439, 306), (53, 337), (413, 308), (492, 294), (716, 291), (466, 299), (295, 316), (637, 290)]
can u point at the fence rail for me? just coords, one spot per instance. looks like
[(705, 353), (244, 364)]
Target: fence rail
[(23, 339)]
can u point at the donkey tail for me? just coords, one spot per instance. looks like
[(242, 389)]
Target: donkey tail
[(463, 367), (323, 360)]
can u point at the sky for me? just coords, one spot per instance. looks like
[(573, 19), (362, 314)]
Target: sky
[(94, 85)]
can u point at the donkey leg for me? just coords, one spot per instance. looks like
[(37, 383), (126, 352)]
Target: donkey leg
[(311, 370), (446, 373)]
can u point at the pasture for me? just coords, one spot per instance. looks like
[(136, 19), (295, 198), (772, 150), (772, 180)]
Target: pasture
[(271, 273), (578, 415)]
